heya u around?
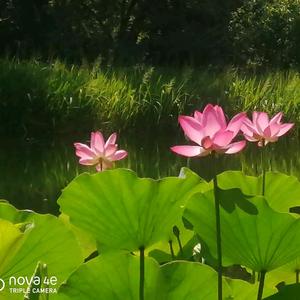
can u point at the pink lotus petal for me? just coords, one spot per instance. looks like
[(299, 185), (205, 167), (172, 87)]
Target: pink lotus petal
[(211, 121), (207, 142), (97, 142), (246, 130), (276, 119), (236, 122), (208, 109), (120, 154), (262, 122), (192, 128), (222, 138), (198, 116), (189, 151), (99, 167), (235, 147), (111, 140), (104, 165), (221, 116), (270, 140), (88, 161), (250, 138), (271, 130), (110, 150), (284, 128), (249, 129), (100, 154), (84, 151), (254, 117), (107, 165)]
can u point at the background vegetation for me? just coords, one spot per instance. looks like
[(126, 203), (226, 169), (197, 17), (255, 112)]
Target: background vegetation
[(244, 32), (36, 98), (117, 63)]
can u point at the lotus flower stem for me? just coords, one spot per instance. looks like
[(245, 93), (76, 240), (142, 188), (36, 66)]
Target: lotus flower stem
[(142, 272), (180, 245), (218, 231), (171, 250), (263, 165), (261, 285), (297, 276)]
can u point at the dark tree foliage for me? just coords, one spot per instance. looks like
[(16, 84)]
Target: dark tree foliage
[(266, 33), (194, 32), (157, 31)]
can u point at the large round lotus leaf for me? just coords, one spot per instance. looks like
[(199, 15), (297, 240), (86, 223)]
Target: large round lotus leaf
[(281, 191), (201, 186), (286, 273), (253, 234), (85, 240), (45, 239), (191, 280), (195, 281), (113, 277), (289, 292), (123, 211), (179, 236), (11, 241), (40, 272), (242, 290)]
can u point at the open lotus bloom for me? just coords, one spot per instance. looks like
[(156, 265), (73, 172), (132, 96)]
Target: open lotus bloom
[(100, 153), (210, 131), (263, 130)]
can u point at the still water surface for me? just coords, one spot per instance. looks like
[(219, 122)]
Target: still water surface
[(33, 172)]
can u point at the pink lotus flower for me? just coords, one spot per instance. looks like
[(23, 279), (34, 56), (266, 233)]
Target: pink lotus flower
[(210, 131), (99, 154), (263, 130)]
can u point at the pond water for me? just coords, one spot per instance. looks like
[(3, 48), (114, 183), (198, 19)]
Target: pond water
[(35, 171)]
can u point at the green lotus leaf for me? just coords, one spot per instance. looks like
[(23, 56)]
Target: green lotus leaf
[(242, 290), (286, 273), (195, 281), (180, 240), (201, 186), (123, 211), (191, 280), (288, 292), (44, 239), (113, 276), (253, 234), (85, 240), (11, 241), (40, 272), (179, 236), (281, 191)]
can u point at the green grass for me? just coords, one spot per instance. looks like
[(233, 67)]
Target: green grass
[(40, 97)]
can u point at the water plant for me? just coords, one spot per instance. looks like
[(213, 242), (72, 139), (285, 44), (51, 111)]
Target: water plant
[(263, 130), (121, 236), (100, 154), (211, 132)]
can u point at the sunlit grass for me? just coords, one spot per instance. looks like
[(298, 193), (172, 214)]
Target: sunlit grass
[(39, 96)]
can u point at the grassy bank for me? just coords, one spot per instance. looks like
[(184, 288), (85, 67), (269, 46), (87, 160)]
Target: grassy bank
[(37, 97)]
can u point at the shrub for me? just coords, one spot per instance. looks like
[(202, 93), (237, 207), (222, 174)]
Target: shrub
[(265, 32)]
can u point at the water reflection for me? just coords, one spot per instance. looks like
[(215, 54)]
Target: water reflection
[(34, 172)]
